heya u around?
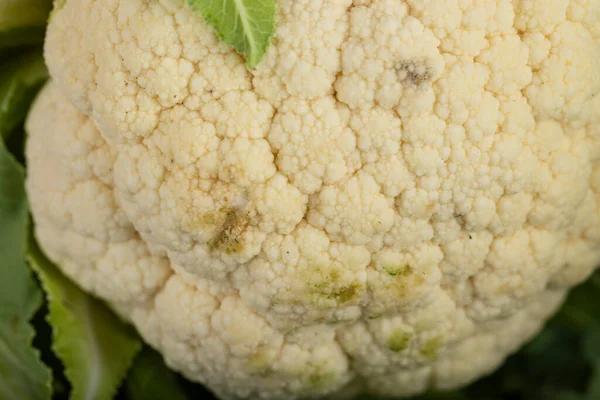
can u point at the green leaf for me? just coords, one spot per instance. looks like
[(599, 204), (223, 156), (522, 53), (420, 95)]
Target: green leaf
[(23, 22), (150, 379), (95, 346), (594, 385), (247, 25), (591, 345), (581, 312), (20, 80), (22, 374), (591, 350)]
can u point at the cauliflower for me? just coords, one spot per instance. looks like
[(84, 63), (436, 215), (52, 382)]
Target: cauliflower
[(395, 199)]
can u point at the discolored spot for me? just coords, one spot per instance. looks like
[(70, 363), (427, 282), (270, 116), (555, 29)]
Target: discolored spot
[(332, 289), (398, 340), (346, 294), (431, 348), (259, 363), (342, 294), (322, 286), (320, 378), (58, 5), (403, 280), (231, 223), (414, 72), (403, 270)]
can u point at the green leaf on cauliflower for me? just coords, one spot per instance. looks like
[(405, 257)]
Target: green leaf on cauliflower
[(20, 80), (96, 347), (594, 386), (580, 311), (22, 374), (247, 25), (150, 379), (23, 22)]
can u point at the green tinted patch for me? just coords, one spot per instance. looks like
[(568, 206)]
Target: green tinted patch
[(260, 363), (403, 280), (431, 348), (320, 378), (321, 286), (343, 294), (398, 340), (331, 287), (402, 270)]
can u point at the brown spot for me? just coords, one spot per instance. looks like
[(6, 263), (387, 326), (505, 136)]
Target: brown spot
[(232, 222), (414, 72), (460, 218)]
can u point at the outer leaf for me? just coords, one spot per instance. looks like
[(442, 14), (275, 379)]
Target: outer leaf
[(20, 80), (594, 386), (22, 374), (591, 349), (581, 311), (591, 344), (95, 346), (247, 25), (150, 379), (23, 22)]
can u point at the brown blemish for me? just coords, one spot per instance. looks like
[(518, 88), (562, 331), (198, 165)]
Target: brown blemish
[(232, 222), (414, 72), (228, 224)]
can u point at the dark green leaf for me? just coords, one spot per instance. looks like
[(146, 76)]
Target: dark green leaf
[(95, 346), (150, 379), (22, 374), (591, 345), (23, 22), (593, 392), (20, 80)]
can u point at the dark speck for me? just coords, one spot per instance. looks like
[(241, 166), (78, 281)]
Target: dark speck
[(414, 72)]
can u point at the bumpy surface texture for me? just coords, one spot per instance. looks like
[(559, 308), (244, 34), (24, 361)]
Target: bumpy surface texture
[(395, 199)]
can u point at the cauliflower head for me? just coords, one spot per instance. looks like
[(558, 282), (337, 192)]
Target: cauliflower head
[(395, 199)]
